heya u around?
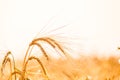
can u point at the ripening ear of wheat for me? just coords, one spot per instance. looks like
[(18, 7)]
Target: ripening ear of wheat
[(9, 59), (41, 67), (54, 44)]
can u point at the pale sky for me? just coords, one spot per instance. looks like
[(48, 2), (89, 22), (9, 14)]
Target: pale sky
[(97, 22)]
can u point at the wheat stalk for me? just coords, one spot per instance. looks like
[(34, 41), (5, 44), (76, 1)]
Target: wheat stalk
[(70, 77), (28, 52)]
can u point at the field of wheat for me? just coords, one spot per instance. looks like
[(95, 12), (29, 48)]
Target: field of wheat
[(65, 67)]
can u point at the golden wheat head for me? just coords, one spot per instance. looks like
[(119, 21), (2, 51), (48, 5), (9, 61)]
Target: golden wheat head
[(39, 62), (9, 59), (53, 43)]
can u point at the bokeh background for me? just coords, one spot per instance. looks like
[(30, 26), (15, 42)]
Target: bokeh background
[(95, 23)]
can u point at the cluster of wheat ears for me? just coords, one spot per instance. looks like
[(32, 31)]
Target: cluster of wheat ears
[(66, 67), (17, 74)]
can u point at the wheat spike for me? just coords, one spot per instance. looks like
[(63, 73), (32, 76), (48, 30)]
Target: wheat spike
[(7, 58), (40, 63)]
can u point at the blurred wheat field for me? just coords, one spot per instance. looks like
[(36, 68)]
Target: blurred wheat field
[(59, 39), (46, 67)]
